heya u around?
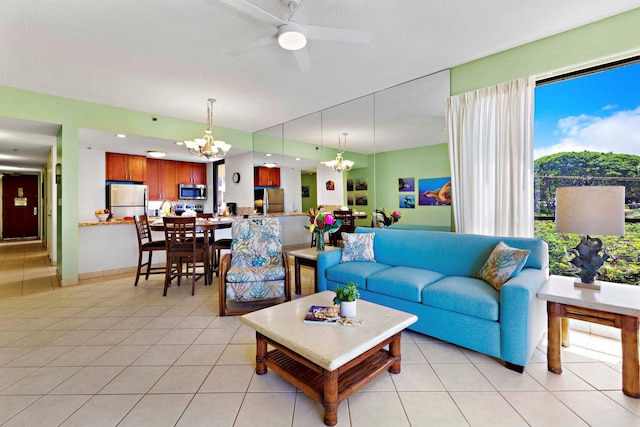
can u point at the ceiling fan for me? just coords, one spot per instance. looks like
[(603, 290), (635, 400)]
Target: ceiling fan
[(293, 32)]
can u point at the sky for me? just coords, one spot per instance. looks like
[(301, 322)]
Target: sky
[(597, 112)]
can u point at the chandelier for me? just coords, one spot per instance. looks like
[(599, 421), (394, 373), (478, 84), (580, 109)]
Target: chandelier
[(206, 146), (339, 163)]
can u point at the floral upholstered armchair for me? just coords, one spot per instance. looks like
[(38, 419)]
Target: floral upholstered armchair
[(256, 272)]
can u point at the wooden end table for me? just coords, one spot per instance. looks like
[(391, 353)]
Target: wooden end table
[(309, 258), (328, 363), (614, 305)]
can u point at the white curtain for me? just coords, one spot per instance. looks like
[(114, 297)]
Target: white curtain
[(491, 154)]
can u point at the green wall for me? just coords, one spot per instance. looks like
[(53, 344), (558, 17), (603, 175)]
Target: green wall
[(602, 41), (363, 174), (418, 163), (312, 201)]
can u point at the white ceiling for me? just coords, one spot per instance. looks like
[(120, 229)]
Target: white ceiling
[(167, 57)]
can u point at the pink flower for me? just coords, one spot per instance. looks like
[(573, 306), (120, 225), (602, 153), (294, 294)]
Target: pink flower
[(395, 214), (329, 219)]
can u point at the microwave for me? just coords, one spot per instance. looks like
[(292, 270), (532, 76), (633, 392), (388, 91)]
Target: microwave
[(192, 191)]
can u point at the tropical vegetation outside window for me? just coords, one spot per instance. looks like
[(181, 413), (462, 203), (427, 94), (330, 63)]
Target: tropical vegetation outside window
[(587, 132)]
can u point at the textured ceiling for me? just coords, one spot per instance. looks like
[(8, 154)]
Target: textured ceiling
[(167, 57)]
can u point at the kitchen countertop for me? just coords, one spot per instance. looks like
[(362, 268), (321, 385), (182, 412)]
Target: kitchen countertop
[(130, 221), (109, 222)]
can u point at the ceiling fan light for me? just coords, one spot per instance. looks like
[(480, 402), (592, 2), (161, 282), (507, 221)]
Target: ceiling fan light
[(292, 36)]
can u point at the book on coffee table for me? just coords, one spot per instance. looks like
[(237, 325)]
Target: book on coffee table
[(323, 315)]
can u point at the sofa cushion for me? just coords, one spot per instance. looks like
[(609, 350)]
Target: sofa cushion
[(466, 295), (255, 291), (357, 247), (354, 272), (504, 263), (255, 274), (402, 282)]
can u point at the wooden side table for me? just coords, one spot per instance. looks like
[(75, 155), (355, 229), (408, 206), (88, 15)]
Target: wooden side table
[(307, 257), (613, 305)]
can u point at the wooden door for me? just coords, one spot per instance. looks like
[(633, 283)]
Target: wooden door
[(199, 173), (137, 166), (169, 180), (154, 179), (19, 206)]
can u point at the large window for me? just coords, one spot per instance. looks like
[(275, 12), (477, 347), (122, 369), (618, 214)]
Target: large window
[(587, 132)]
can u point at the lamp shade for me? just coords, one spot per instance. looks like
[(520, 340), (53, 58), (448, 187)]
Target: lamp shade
[(590, 210)]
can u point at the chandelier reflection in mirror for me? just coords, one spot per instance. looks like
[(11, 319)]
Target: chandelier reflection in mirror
[(206, 146), (339, 163)]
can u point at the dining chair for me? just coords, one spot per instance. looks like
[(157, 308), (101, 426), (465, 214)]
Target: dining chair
[(347, 226), (256, 271), (216, 245), (148, 245), (183, 247)]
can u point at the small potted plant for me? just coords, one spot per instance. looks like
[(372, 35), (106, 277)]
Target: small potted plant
[(347, 297)]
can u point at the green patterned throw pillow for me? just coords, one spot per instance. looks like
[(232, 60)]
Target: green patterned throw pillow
[(504, 263), (357, 247)]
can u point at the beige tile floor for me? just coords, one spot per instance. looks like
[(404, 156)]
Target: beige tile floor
[(106, 353)]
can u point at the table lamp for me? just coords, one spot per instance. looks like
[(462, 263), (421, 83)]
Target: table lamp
[(590, 210)]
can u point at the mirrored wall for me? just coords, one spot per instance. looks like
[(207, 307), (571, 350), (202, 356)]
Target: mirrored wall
[(396, 139)]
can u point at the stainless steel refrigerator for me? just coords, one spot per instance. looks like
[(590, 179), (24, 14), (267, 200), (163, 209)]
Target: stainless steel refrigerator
[(126, 199), (274, 200)]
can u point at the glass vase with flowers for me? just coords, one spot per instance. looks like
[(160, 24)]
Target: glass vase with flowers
[(321, 223)]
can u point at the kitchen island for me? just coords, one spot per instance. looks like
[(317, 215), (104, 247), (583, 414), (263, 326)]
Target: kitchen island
[(111, 247)]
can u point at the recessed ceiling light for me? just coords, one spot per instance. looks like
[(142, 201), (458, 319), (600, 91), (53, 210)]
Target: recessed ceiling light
[(297, 158), (268, 154), (270, 165), (156, 154), (179, 142), (121, 135)]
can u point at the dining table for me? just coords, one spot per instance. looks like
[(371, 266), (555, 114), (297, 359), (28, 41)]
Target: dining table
[(207, 226)]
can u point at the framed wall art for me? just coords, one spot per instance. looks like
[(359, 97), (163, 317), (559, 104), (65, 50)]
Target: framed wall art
[(406, 184), (407, 201), (434, 192)]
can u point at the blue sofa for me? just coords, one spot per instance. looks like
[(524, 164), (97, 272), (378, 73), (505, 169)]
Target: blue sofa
[(432, 274)]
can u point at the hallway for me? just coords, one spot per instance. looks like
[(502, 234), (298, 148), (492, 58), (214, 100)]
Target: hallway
[(25, 269)]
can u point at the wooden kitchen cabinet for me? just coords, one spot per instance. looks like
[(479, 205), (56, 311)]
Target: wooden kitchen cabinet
[(266, 177), (162, 179), (170, 180), (154, 181), (192, 173), (125, 167)]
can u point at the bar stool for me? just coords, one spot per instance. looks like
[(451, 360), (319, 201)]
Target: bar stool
[(218, 246), (147, 244)]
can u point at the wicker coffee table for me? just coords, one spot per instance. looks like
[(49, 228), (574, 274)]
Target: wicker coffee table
[(328, 363)]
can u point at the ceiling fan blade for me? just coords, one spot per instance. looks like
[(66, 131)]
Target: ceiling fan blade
[(339, 34), (251, 10), (303, 59), (246, 48), (306, 10)]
